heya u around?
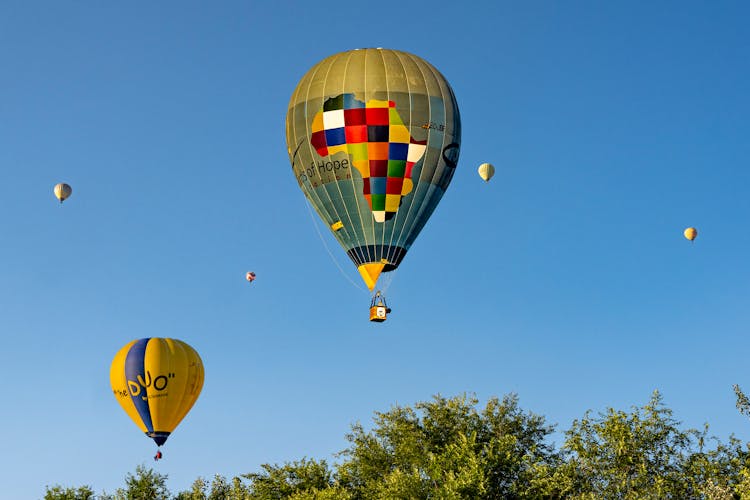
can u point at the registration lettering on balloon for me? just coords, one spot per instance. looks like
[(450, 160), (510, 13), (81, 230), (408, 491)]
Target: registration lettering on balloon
[(379, 144), (434, 126)]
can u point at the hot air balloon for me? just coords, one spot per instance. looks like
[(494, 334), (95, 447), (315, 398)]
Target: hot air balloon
[(156, 381), (486, 171), (373, 136), (63, 191), (691, 233), (250, 276)]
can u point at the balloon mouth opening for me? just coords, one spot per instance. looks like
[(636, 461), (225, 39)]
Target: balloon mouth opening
[(390, 255), (159, 437)]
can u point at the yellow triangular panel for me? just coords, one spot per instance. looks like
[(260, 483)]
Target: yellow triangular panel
[(370, 273)]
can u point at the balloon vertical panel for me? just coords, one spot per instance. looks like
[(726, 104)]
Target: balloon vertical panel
[(120, 389), (166, 368), (193, 384), (135, 373)]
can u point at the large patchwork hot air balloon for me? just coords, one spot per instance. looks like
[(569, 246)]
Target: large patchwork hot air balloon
[(157, 381), (373, 137)]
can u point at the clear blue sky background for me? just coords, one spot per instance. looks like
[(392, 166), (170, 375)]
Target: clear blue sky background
[(567, 280)]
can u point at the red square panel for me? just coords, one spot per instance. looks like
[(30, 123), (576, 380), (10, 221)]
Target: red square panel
[(318, 140), (356, 116), (356, 134), (407, 173), (378, 168), (393, 185), (377, 116)]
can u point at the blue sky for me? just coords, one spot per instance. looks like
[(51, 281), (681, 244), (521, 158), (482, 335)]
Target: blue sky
[(613, 126)]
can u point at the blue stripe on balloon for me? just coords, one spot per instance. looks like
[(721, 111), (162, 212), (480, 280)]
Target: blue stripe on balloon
[(135, 371)]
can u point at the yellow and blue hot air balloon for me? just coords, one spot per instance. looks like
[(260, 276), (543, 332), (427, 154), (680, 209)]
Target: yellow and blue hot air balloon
[(62, 191), (157, 381), (373, 136)]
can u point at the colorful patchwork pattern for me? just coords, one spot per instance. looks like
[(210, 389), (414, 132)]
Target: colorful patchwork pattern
[(379, 144)]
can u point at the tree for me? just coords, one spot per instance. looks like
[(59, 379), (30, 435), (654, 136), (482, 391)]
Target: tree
[(644, 454), (452, 449), (145, 484), (220, 489), (197, 491), (60, 493), (446, 448), (743, 402), (303, 477)]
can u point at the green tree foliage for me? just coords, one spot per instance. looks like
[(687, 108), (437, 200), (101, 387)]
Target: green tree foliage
[(220, 489), (60, 493), (627, 455), (644, 454), (446, 448), (197, 491), (451, 449), (145, 484), (303, 477), (743, 402)]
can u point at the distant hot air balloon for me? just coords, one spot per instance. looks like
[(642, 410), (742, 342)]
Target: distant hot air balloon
[(63, 191), (250, 276), (691, 233), (156, 381), (486, 171), (373, 136)]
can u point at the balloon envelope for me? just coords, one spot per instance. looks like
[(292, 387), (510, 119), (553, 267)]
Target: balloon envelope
[(156, 381), (486, 171), (62, 191), (373, 136), (691, 233)]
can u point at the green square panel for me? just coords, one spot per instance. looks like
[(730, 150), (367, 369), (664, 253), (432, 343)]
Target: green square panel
[(396, 168)]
